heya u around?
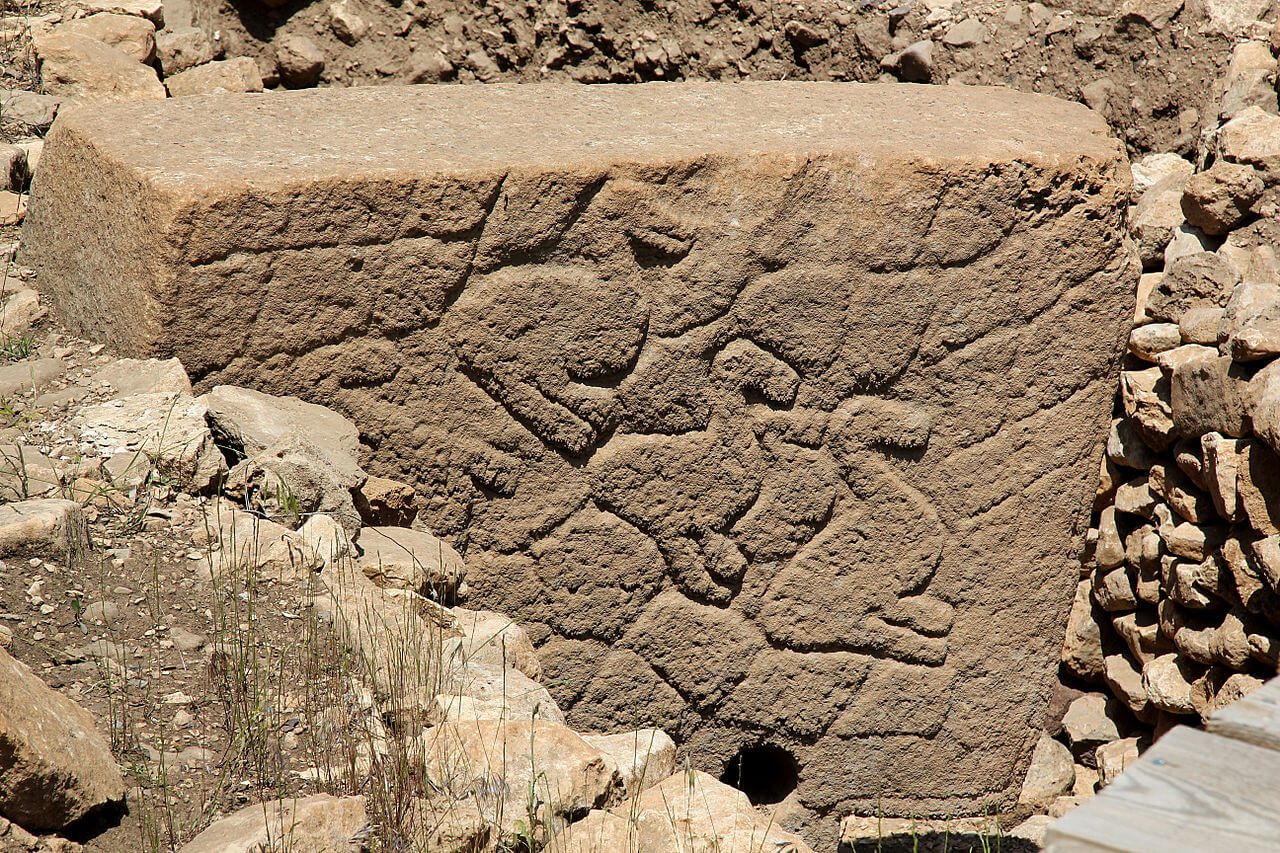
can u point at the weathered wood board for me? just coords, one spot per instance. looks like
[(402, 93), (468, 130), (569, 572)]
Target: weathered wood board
[(1191, 791)]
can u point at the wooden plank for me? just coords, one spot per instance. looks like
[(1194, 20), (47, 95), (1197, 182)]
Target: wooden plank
[(1191, 791), (1254, 719)]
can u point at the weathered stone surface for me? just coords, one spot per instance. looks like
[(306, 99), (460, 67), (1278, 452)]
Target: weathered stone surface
[(545, 769), (43, 528), (745, 440), (641, 758), (1090, 721), (184, 47), (55, 766), (1112, 758), (686, 812), (241, 542), (1219, 199), (91, 72), (229, 75), (317, 824), (495, 640), (1051, 774), (165, 428), (133, 36), (1156, 216), (1194, 280), (410, 559)]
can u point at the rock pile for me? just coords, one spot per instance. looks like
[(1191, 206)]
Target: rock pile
[(1178, 608)]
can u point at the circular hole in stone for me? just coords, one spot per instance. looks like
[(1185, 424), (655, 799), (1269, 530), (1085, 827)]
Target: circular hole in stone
[(764, 772)]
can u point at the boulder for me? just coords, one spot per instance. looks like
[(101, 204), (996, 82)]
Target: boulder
[(133, 36), (51, 527), (1090, 722), (1258, 487), (1262, 402), (386, 503), (410, 559), (1153, 168), (23, 378), (152, 10), (494, 640), (1208, 394), (1219, 199), (21, 309), (229, 75), (1222, 458), (165, 428), (320, 823), (83, 68), (588, 359), (1082, 649), (300, 61), (126, 377), (1252, 137), (182, 48), (1250, 325), (1156, 216), (327, 538), (546, 770), (1167, 682), (55, 766), (686, 812), (241, 543), (250, 422), (642, 758), (1193, 280), (1146, 342), (1052, 773), (1112, 759), (35, 110)]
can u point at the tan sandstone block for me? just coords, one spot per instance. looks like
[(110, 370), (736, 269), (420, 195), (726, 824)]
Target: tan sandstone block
[(768, 403)]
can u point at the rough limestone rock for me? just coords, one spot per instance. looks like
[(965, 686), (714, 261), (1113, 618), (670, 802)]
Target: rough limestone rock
[(410, 559), (317, 824), (767, 406), (688, 811), (229, 75), (92, 72), (133, 36), (1051, 774), (642, 758), (55, 766), (50, 528)]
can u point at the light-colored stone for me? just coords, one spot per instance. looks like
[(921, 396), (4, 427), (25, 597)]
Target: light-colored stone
[(21, 309), (228, 75), (152, 10), (301, 61), (133, 36), (1153, 168), (688, 811), (1193, 280), (386, 503), (1252, 137), (1199, 325), (1112, 758), (545, 769), (410, 559), (129, 376), (241, 543), (83, 68), (1258, 487), (55, 766), (1082, 649), (1187, 240), (1262, 402), (326, 537), (1146, 342), (1219, 199), (570, 399), (1208, 394), (253, 422), (346, 22), (165, 427), (1234, 17), (1089, 722), (49, 527), (1156, 216), (642, 758), (1125, 680), (320, 823), (182, 48), (1250, 326), (1167, 682), (35, 110), (1126, 447), (494, 640), (1051, 774), (25, 472)]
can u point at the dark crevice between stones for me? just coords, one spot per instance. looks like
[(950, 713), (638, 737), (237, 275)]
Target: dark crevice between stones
[(764, 772)]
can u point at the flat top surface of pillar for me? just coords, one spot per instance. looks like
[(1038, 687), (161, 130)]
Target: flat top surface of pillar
[(334, 132)]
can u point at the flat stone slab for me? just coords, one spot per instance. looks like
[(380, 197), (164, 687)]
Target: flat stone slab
[(772, 410)]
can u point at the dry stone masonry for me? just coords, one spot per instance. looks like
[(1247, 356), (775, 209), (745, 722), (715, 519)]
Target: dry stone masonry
[(772, 411)]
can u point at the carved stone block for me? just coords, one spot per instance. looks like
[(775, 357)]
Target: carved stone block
[(771, 410)]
